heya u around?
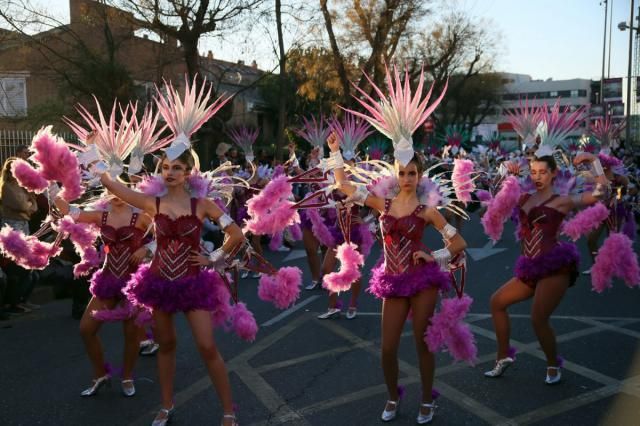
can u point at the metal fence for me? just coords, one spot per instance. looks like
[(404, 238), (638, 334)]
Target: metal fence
[(11, 139)]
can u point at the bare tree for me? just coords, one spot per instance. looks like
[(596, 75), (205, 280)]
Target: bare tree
[(187, 21)]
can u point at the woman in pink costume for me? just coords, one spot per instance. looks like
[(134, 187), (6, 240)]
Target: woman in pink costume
[(547, 266), (122, 230), (409, 279), (176, 280)]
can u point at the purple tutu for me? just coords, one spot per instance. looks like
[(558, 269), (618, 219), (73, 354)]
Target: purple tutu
[(105, 285), (203, 291), (305, 222), (563, 258), (428, 275)]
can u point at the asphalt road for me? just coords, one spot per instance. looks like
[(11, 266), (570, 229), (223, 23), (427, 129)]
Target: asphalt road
[(303, 371)]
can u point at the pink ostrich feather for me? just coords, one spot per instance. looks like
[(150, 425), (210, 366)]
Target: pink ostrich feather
[(615, 258), (244, 137), (56, 163), (351, 131), (448, 330), (314, 131), (401, 113), (525, 118), (606, 131), (612, 163), (384, 187), (28, 177), (320, 229), (188, 114), (243, 322), (462, 179), (585, 221), (500, 208), (83, 237), (152, 185), (149, 132), (270, 211), (350, 262), (26, 250), (282, 289), (295, 231)]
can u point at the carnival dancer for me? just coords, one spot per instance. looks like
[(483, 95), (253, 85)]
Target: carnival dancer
[(178, 278), (122, 229), (547, 266), (409, 279)]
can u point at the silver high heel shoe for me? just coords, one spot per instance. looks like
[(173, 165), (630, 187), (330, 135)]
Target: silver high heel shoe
[(500, 367), (388, 415), (230, 416), (552, 380), (423, 419), (96, 385), (128, 387), (163, 417)]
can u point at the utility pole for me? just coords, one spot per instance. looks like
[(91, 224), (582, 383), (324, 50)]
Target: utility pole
[(628, 126), (604, 53)]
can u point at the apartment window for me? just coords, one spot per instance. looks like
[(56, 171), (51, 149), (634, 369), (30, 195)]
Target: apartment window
[(13, 96)]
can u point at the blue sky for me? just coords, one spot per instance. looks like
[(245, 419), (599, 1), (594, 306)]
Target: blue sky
[(557, 39)]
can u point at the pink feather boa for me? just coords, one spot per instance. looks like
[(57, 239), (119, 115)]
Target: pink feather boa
[(243, 323), (462, 180), (55, 163), (28, 177), (270, 211), (281, 289), (585, 221), (500, 208), (295, 231), (351, 261), (615, 258), (83, 237), (152, 185), (319, 229), (448, 330), (26, 250)]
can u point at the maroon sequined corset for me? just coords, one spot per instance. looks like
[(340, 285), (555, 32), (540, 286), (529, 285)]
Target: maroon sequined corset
[(402, 236), (119, 245), (176, 239), (539, 228)]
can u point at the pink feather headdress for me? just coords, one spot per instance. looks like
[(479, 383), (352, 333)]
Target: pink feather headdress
[(525, 120), (149, 138), (556, 126), (351, 132), (314, 131), (244, 137), (401, 113), (185, 116), (107, 140), (606, 131)]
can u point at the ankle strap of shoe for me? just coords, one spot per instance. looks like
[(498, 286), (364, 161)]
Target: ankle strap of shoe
[(392, 402), (428, 405), (553, 368)]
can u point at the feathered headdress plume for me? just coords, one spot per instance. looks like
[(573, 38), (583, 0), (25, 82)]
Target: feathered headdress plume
[(314, 131), (185, 116), (606, 131), (149, 139), (525, 119), (244, 137), (351, 131), (556, 127), (401, 113)]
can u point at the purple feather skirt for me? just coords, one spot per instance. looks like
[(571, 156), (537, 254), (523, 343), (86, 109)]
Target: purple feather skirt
[(305, 222), (105, 285), (203, 291), (428, 275), (563, 258)]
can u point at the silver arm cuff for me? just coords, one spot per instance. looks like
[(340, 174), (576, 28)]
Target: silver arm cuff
[(74, 212), (335, 161), (597, 167), (224, 221), (442, 257), (152, 246), (360, 195), (217, 259), (448, 231)]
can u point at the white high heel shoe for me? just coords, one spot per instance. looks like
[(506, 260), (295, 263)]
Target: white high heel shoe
[(128, 387), (552, 380), (423, 419), (388, 415), (500, 367), (234, 422), (163, 417), (97, 384)]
